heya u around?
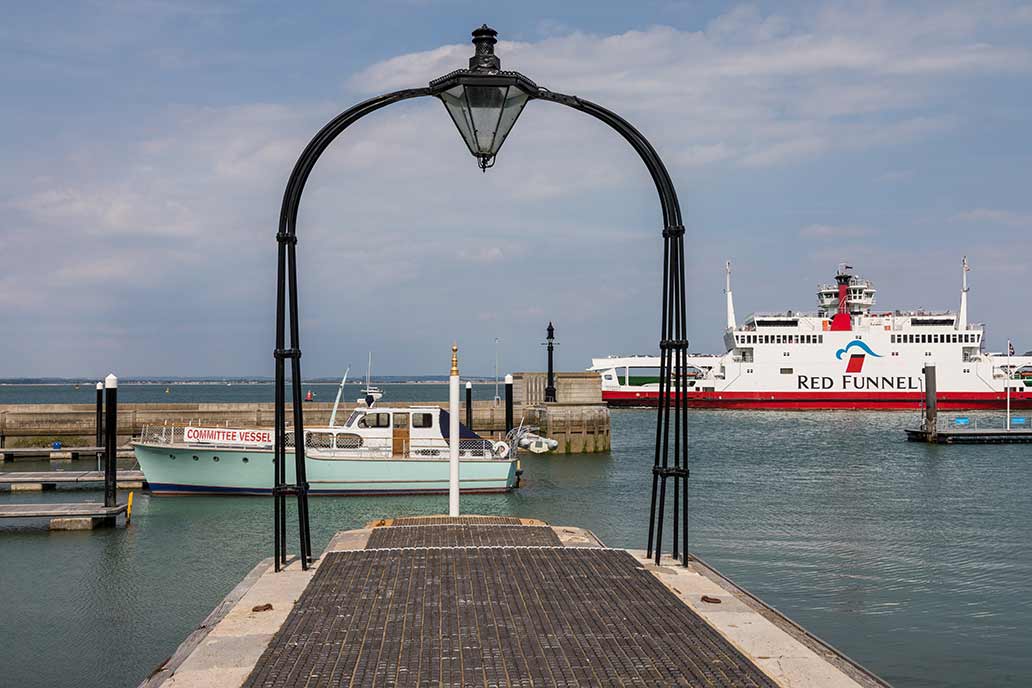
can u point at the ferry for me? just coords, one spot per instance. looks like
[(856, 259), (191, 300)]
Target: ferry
[(377, 451), (847, 355)]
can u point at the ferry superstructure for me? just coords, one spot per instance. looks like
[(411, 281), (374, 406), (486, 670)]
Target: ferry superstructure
[(847, 355)]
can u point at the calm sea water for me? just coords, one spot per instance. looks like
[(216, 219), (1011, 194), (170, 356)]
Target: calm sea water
[(912, 559), (213, 393)]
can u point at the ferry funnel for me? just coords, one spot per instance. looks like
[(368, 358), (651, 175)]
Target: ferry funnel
[(841, 322)]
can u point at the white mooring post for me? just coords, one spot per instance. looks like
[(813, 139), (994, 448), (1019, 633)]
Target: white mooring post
[(453, 434), (1010, 347)]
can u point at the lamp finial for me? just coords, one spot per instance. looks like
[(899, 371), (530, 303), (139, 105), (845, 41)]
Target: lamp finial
[(484, 60), (455, 359)]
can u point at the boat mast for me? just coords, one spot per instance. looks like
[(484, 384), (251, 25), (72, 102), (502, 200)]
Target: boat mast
[(730, 298), (340, 391), (962, 316)]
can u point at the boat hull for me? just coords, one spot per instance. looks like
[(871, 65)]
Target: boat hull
[(213, 470), (947, 401)]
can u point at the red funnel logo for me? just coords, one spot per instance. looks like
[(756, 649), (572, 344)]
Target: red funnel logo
[(856, 360)]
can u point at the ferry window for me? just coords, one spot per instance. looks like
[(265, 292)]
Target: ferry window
[(422, 420), (401, 420), (786, 371), (820, 337), (355, 415)]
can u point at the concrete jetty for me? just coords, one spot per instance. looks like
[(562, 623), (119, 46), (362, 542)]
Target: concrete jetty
[(38, 481), (496, 601), (78, 516)]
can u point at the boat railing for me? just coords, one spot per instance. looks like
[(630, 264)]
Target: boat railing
[(162, 434)]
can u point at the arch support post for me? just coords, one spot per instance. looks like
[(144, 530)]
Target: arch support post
[(671, 454), (294, 483)]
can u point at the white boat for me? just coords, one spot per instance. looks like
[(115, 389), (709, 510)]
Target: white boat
[(378, 450), (847, 355)]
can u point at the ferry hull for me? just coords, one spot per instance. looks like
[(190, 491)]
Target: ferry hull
[(947, 401), (177, 470)]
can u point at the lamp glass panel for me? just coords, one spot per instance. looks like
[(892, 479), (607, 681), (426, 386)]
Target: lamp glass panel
[(454, 100), (515, 99), (485, 105)]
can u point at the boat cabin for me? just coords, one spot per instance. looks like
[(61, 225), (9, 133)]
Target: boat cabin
[(412, 432)]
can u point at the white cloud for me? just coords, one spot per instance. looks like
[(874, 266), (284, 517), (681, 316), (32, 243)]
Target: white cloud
[(999, 217), (833, 232)]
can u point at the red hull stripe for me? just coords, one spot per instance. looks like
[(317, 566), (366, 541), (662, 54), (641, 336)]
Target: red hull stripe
[(827, 400)]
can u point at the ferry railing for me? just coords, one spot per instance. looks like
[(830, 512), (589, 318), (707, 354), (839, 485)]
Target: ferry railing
[(975, 423)]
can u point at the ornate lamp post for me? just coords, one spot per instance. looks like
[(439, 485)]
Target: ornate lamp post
[(550, 380), (484, 102)]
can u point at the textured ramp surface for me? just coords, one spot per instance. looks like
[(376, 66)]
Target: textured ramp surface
[(455, 520), (495, 617), (463, 536)]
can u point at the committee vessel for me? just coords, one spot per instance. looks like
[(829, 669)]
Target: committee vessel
[(847, 355), (377, 451)]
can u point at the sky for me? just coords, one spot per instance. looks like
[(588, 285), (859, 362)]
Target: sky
[(146, 144)]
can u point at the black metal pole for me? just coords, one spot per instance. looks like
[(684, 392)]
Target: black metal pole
[(111, 439), (286, 238), (550, 384), (99, 423), (508, 403), (469, 405)]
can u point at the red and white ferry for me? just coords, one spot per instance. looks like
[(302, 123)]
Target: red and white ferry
[(846, 356)]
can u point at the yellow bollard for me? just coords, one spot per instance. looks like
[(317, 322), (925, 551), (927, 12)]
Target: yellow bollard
[(129, 509)]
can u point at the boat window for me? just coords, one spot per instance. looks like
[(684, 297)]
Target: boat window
[(319, 440), (348, 441), (422, 420), (786, 371), (375, 420), (355, 415), (401, 420)]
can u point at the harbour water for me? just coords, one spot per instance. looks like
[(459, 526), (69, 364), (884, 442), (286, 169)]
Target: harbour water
[(912, 559)]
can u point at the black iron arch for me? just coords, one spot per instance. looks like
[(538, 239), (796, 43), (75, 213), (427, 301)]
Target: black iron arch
[(673, 342)]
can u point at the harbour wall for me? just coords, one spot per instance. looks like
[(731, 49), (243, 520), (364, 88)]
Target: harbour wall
[(579, 426)]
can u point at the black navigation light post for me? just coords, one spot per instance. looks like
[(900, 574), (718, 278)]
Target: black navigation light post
[(550, 383), (484, 102)]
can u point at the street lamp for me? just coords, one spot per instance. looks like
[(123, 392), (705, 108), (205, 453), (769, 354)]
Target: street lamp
[(484, 102)]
